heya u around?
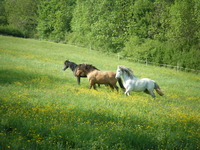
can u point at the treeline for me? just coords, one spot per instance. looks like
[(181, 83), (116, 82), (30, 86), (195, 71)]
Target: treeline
[(164, 31)]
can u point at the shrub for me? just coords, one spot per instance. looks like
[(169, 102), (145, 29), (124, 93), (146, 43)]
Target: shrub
[(11, 30)]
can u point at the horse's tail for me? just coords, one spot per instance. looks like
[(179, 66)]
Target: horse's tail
[(158, 90), (120, 83)]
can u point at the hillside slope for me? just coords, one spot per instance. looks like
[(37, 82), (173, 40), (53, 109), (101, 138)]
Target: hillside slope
[(42, 107)]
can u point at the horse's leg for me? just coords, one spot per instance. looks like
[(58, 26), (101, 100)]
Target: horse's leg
[(90, 85), (94, 86), (128, 89), (147, 92), (150, 89), (152, 94), (78, 80), (116, 87), (111, 86), (127, 92)]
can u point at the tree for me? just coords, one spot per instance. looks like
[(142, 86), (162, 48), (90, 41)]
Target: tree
[(54, 19), (3, 16), (100, 24), (183, 29), (22, 14)]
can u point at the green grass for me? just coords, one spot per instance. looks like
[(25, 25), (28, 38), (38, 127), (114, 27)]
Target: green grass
[(42, 107)]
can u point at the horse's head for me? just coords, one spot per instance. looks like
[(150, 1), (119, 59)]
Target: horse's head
[(66, 64), (118, 73), (124, 71)]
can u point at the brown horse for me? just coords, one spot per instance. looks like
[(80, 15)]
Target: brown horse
[(99, 77)]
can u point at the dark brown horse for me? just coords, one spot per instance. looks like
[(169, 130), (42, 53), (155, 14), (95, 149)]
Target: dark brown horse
[(73, 66), (99, 77)]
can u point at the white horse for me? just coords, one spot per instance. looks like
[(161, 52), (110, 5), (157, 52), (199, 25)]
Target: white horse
[(131, 83)]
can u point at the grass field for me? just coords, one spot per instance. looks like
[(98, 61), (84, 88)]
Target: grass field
[(42, 107)]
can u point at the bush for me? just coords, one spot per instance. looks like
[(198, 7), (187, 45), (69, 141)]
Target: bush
[(10, 30)]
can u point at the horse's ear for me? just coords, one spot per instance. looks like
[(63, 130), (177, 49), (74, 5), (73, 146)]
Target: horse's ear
[(67, 60)]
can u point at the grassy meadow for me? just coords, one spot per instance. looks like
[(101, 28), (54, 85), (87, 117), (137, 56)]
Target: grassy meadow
[(42, 107)]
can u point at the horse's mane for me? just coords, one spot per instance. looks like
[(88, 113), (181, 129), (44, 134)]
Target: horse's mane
[(90, 67), (128, 71), (69, 62), (87, 67)]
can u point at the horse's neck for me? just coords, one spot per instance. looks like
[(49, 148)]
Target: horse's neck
[(73, 66), (126, 77)]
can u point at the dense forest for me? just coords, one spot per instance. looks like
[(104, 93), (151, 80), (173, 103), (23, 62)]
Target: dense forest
[(162, 31)]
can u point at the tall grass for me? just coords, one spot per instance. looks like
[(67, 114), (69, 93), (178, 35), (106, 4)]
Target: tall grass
[(42, 107)]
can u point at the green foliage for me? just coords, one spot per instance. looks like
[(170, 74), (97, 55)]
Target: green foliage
[(101, 24), (22, 14), (3, 18), (54, 19), (141, 12), (183, 30)]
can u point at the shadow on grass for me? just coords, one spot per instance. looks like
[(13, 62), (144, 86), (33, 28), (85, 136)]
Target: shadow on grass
[(10, 76)]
